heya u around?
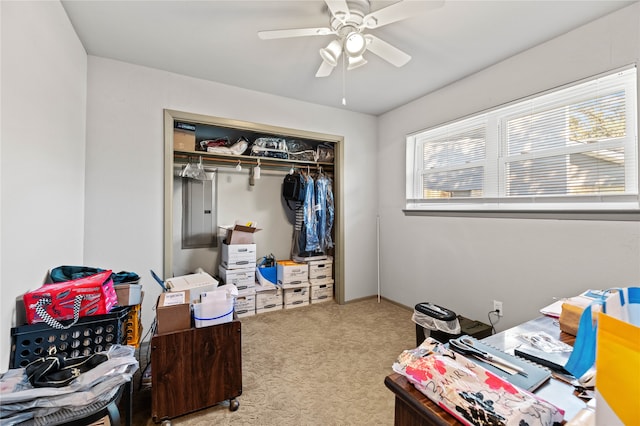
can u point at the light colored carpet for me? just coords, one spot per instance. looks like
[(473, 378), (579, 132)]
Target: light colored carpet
[(322, 364)]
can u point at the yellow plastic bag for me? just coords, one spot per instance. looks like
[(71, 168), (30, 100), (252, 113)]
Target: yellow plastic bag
[(618, 372)]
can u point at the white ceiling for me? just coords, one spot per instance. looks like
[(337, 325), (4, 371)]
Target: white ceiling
[(216, 40)]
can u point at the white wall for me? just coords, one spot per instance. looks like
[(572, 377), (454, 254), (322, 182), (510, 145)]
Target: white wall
[(124, 178), (237, 200), (466, 263), (43, 145)]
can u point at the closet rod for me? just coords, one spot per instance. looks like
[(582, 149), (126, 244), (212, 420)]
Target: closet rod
[(264, 161)]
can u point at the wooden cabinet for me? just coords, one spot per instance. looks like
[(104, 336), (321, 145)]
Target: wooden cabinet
[(195, 369)]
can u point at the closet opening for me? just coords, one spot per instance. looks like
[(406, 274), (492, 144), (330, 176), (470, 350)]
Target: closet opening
[(220, 171)]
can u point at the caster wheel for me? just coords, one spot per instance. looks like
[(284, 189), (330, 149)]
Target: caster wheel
[(234, 404)]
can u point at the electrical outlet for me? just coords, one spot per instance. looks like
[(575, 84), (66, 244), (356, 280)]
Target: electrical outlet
[(497, 306)]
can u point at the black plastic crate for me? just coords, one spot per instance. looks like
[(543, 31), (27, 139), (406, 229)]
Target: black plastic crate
[(89, 335)]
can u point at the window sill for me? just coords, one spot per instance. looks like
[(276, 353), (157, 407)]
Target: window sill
[(609, 215)]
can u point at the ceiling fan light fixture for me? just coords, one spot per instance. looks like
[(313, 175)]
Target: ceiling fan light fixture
[(354, 44), (355, 62), (331, 53)]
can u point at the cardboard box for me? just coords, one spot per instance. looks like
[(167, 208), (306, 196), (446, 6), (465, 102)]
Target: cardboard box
[(296, 297), (321, 293), (238, 256), (321, 270), (184, 137), (242, 278), (128, 294), (269, 308), (246, 304), (322, 281), (195, 283), (173, 312), (290, 272), (239, 234), (268, 299), (573, 307)]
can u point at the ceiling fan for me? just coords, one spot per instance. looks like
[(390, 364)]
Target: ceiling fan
[(349, 20)]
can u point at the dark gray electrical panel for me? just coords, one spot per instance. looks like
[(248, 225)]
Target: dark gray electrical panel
[(199, 212)]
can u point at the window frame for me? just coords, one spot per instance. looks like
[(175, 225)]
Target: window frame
[(493, 199)]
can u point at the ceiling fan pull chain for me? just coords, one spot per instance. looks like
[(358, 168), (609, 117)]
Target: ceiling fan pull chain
[(344, 84)]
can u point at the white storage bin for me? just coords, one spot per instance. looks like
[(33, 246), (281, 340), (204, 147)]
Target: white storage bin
[(213, 312)]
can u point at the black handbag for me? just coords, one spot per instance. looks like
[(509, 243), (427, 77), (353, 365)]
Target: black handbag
[(56, 371), (293, 188)]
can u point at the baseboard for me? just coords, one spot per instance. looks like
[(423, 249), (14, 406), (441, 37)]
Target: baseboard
[(360, 299)]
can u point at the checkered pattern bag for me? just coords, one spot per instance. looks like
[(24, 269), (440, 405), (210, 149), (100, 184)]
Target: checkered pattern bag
[(52, 322)]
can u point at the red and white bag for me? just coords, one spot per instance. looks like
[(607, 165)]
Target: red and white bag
[(52, 303)]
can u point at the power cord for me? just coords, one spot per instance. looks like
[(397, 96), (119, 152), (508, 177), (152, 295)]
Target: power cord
[(151, 331), (497, 314)]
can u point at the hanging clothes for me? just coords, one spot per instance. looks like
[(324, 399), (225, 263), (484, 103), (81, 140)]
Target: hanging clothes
[(299, 239), (328, 241), (321, 210), (324, 211), (314, 218), (310, 220)]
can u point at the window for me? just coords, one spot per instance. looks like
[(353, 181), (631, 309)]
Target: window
[(570, 149)]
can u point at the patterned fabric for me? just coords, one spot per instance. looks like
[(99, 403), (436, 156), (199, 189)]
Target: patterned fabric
[(52, 322), (469, 392)]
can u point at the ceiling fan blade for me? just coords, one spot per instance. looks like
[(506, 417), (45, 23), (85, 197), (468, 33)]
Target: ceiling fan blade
[(297, 32), (398, 11), (339, 9), (324, 70), (389, 53)]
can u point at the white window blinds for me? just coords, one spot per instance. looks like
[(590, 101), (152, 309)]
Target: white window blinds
[(573, 148)]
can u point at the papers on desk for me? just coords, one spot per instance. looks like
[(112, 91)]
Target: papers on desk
[(536, 375), (553, 360), (583, 299), (541, 348)]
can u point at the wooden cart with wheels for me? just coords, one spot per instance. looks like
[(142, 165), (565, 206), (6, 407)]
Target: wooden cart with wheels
[(195, 369)]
